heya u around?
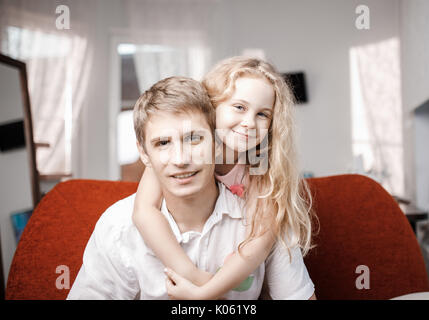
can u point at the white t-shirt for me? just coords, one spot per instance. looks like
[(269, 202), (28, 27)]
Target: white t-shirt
[(118, 265)]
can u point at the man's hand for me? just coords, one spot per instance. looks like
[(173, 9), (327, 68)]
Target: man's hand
[(179, 288)]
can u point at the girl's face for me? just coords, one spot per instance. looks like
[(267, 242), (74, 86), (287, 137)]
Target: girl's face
[(243, 120)]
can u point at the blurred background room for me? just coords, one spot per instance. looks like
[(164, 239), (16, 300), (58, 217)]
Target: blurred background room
[(361, 71)]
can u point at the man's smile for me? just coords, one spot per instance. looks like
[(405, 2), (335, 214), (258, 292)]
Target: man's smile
[(184, 175)]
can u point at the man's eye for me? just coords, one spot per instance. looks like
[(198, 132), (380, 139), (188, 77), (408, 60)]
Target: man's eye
[(194, 138), (162, 143)]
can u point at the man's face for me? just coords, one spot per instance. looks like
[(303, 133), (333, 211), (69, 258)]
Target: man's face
[(179, 148)]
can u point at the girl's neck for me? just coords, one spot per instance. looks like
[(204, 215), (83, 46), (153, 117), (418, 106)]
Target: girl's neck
[(226, 166), (223, 169)]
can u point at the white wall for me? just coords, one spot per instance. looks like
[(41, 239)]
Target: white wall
[(415, 52), (422, 156), (414, 21), (94, 135), (312, 36)]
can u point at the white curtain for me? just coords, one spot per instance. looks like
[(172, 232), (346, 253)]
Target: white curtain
[(58, 65)]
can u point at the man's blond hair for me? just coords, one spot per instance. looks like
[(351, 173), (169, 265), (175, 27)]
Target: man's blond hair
[(177, 95)]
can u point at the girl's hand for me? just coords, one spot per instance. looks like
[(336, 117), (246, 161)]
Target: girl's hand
[(179, 288)]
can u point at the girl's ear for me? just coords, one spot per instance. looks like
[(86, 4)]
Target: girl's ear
[(143, 156)]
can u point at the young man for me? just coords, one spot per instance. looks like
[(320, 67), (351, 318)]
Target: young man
[(174, 124)]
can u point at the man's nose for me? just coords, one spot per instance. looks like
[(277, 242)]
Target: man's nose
[(182, 155)]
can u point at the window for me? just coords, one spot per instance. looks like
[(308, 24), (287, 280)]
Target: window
[(56, 68)]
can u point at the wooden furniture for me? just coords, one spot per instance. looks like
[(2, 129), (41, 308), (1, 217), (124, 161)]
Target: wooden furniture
[(19, 178), (25, 112), (413, 214)]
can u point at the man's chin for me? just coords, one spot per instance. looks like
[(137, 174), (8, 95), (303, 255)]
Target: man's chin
[(187, 191)]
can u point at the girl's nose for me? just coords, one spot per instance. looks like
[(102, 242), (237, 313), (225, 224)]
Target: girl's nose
[(249, 121)]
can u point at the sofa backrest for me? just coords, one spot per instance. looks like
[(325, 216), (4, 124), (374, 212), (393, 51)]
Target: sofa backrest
[(360, 225)]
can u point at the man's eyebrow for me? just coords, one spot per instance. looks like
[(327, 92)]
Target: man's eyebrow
[(156, 139), (199, 131)]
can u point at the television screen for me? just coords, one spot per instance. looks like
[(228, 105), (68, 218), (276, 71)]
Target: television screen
[(12, 135), (297, 82)]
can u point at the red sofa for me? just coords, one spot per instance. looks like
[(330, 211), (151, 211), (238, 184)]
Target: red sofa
[(360, 224)]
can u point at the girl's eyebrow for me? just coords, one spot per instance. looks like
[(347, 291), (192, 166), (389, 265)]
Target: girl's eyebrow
[(247, 103), (241, 100)]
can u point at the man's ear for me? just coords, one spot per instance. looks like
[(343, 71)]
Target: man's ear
[(143, 156)]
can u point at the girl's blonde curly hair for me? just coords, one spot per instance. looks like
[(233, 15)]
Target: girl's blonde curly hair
[(280, 198)]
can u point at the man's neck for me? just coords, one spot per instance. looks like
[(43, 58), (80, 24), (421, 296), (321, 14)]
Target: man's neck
[(191, 213)]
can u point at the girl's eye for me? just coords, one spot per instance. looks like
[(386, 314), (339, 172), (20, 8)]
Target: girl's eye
[(264, 115), (239, 107)]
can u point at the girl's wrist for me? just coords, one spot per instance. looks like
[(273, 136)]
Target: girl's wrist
[(201, 277), (202, 294)]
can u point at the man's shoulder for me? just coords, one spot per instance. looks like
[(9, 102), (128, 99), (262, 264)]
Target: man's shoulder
[(117, 217)]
